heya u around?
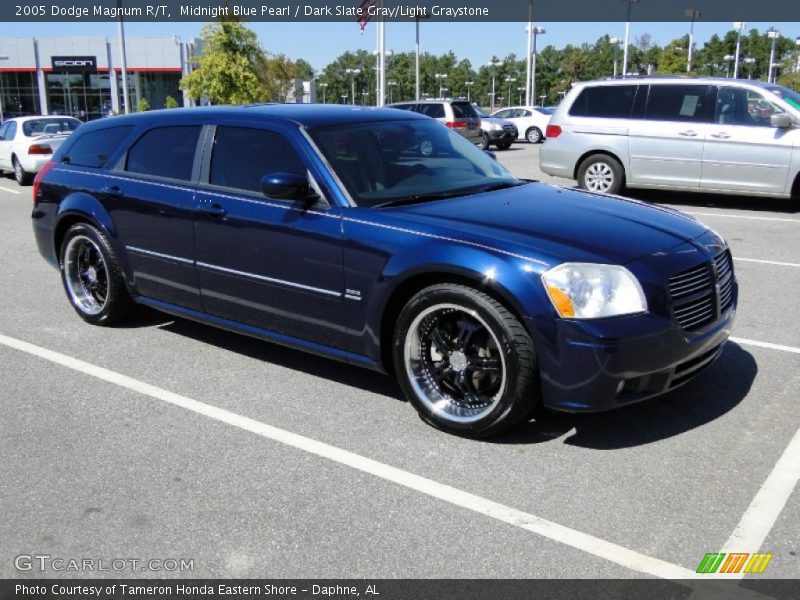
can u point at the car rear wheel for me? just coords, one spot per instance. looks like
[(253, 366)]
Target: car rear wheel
[(534, 135), (483, 143), (601, 173), (92, 277), (20, 174), (464, 361)]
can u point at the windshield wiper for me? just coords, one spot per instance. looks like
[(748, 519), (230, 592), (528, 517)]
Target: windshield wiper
[(420, 198)]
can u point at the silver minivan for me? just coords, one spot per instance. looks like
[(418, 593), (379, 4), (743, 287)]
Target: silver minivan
[(706, 134), (458, 115)]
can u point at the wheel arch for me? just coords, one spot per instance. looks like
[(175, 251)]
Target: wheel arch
[(407, 286), (82, 208)]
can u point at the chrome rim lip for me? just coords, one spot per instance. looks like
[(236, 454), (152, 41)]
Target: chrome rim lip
[(430, 395), (79, 294), (599, 177)]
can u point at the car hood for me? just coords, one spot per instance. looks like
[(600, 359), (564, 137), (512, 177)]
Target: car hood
[(497, 120), (558, 225)]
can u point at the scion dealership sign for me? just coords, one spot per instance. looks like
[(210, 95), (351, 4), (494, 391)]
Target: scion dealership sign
[(74, 64)]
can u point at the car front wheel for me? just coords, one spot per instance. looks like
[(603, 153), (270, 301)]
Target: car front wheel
[(464, 361), (92, 277), (601, 173), (483, 143)]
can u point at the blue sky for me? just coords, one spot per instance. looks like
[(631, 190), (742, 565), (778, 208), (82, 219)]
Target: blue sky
[(319, 43)]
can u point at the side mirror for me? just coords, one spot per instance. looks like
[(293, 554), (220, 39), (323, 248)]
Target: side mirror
[(781, 121), (285, 186), (491, 154)]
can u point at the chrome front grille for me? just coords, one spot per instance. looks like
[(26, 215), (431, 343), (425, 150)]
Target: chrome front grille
[(701, 294)]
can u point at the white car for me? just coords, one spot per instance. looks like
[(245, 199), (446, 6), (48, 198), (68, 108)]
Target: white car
[(531, 121), (27, 143)]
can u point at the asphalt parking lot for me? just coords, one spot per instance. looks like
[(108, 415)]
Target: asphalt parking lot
[(164, 439)]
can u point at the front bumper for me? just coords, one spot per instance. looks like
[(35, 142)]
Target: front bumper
[(500, 135), (592, 366)]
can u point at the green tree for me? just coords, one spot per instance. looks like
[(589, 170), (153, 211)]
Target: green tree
[(170, 102), (142, 105), (231, 68)]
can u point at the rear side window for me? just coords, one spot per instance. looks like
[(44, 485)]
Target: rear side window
[(403, 106), (435, 111), (463, 110), (92, 149), (165, 152), (678, 103), (242, 156), (606, 101)]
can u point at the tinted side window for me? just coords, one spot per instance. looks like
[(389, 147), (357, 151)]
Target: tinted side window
[(435, 111), (242, 156), (12, 130), (165, 152), (92, 149), (606, 101), (463, 110), (503, 114), (3, 131), (678, 103), (403, 106)]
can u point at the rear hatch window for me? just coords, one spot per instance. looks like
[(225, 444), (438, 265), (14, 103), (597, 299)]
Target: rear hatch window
[(464, 110)]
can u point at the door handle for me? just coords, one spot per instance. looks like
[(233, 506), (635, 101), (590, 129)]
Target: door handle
[(688, 133), (721, 135), (112, 190), (211, 209)]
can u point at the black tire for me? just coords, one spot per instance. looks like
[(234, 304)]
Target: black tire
[(92, 277), (504, 367), (20, 174), (484, 143), (503, 145), (534, 135), (601, 173)]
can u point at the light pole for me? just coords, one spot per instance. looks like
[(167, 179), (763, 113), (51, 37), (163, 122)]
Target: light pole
[(693, 15), (616, 42), (344, 98), (543, 97), (365, 97), (749, 61), (2, 94), (324, 87), (391, 83), (630, 3), (537, 31), (738, 26), (416, 51), (440, 77), (521, 89), (797, 43), (352, 73), (728, 58), (493, 64), (773, 34), (469, 84), (509, 80), (379, 73)]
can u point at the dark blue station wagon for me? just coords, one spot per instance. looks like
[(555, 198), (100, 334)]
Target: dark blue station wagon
[(382, 239)]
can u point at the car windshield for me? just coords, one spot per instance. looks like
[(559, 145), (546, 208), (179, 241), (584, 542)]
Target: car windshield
[(787, 95), (394, 162), (36, 127), (480, 112), (544, 110)]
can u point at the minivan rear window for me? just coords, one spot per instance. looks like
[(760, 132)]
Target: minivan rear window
[(463, 110), (93, 148), (604, 101)]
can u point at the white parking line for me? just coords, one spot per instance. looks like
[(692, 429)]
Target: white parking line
[(766, 507), (614, 553), (767, 262), (745, 342), (5, 189), (727, 216)]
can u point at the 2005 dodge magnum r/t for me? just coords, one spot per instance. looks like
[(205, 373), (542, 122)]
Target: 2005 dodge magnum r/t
[(380, 238)]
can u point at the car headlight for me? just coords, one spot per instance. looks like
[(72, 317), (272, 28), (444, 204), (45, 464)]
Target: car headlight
[(591, 291), (494, 126)]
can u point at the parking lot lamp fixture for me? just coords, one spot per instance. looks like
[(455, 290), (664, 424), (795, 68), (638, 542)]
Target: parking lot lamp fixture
[(692, 15), (469, 84), (509, 80), (2, 95), (392, 84), (352, 73), (616, 42), (324, 87), (774, 35), (440, 77), (750, 61), (728, 58), (537, 31)]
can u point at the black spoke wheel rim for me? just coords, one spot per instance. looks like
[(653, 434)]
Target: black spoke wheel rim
[(86, 275), (454, 363)]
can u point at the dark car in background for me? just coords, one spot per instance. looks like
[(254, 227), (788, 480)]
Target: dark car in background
[(458, 115), (328, 229), (497, 132)]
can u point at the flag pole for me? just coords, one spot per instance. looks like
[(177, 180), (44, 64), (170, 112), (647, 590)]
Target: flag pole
[(381, 59), (530, 50)]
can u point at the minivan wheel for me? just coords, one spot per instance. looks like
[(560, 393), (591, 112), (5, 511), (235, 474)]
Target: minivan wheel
[(20, 174), (464, 361), (601, 173), (92, 277), (534, 135)]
